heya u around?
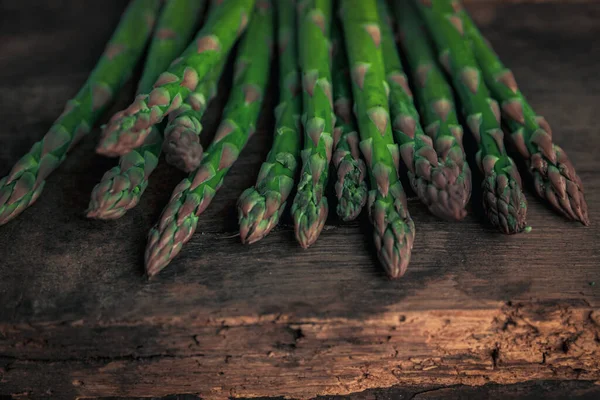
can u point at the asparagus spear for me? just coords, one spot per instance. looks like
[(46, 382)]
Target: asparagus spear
[(503, 198), (350, 187), (442, 183), (393, 228), (191, 197), (310, 208), (553, 173), (122, 186), (182, 143), (25, 182), (129, 128), (260, 207)]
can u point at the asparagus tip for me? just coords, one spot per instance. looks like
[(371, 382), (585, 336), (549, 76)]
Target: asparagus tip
[(183, 149), (309, 221), (394, 267), (175, 227), (504, 202), (395, 246), (8, 214), (159, 252), (16, 194), (107, 210), (118, 191), (448, 191), (586, 220), (105, 213), (154, 266), (117, 141), (394, 232), (258, 214), (572, 205), (105, 205), (558, 183), (350, 188)]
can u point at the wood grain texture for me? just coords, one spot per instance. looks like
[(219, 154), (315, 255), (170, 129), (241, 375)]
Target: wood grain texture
[(532, 390), (77, 319)]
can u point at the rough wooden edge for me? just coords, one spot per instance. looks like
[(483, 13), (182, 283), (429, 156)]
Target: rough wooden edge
[(277, 356)]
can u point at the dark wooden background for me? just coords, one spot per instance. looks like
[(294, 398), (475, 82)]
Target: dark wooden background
[(477, 314)]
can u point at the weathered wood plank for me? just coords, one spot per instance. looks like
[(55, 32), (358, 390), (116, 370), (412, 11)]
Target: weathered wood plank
[(274, 355), (78, 319), (547, 390)]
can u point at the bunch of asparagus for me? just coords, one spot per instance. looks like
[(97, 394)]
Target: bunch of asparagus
[(345, 97)]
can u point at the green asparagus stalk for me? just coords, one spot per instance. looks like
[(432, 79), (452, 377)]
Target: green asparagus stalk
[(174, 30), (129, 128), (121, 187), (260, 207), (309, 209), (393, 228), (25, 182), (553, 173), (191, 197), (350, 187), (182, 136), (441, 183), (503, 198)]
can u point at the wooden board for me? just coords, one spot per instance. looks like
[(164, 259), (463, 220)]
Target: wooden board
[(78, 319), (531, 390)]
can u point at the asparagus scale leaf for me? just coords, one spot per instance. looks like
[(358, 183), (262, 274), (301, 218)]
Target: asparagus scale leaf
[(25, 182), (553, 173), (437, 167), (121, 188), (393, 227), (190, 198), (350, 186), (503, 199), (310, 208), (261, 206), (129, 128)]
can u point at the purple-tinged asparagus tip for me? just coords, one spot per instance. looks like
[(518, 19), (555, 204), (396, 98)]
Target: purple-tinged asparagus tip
[(394, 251), (393, 232), (448, 192), (258, 214), (158, 257), (18, 194), (350, 188), (105, 213), (129, 128), (115, 145), (115, 195), (504, 203), (183, 149), (175, 227), (163, 246), (309, 221), (310, 208), (123, 134), (439, 173), (560, 185), (554, 176)]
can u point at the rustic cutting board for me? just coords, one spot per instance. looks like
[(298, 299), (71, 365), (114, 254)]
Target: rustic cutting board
[(78, 319)]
